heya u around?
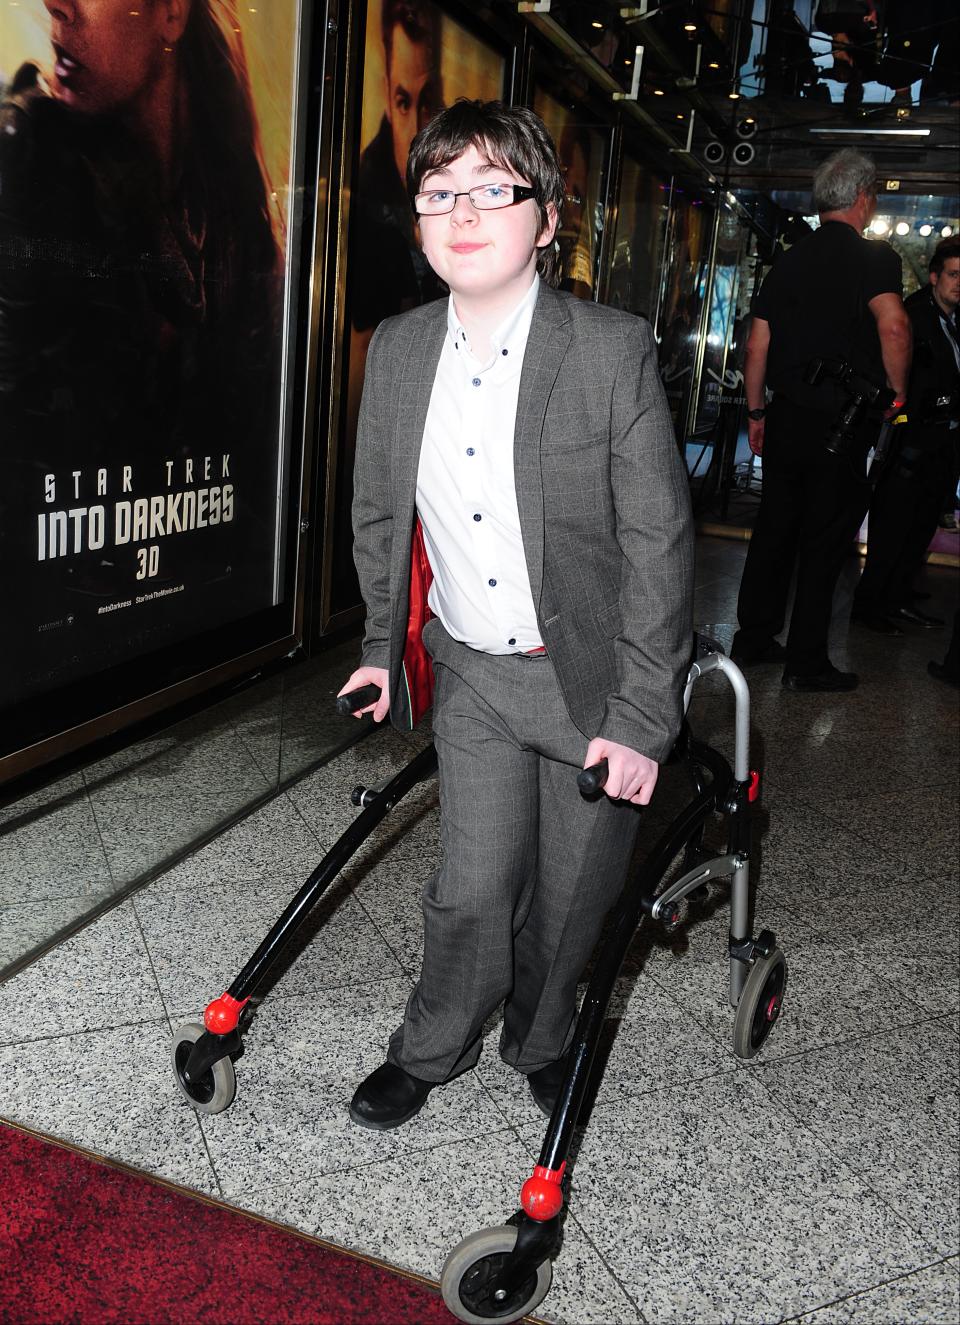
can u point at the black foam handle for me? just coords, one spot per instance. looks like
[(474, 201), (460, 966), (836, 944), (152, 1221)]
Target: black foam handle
[(591, 780), (357, 699)]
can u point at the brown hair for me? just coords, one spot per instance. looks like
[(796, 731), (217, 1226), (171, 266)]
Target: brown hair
[(420, 22), (945, 250), (225, 133), (511, 136)]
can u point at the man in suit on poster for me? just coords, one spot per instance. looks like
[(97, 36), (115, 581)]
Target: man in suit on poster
[(518, 438)]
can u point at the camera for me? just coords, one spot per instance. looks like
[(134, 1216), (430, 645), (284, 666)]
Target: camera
[(861, 393)]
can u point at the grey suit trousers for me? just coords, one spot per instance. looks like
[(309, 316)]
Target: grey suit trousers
[(529, 868)]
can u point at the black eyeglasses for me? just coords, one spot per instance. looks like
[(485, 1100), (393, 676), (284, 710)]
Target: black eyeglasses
[(485, 197)]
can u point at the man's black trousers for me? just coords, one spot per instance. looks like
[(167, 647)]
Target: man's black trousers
[(811, 505), (904, 513)]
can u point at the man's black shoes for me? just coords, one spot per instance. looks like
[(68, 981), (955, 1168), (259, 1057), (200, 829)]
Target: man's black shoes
[(388, 1097), (830, 679), (545, 1084), (914, 617), (768, 653), (878, 623), (941, 672)]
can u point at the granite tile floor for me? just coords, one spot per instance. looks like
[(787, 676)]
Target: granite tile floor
[(817, 1182)]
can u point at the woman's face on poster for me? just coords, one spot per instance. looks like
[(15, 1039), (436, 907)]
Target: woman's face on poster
[(413, 92), (108, 53)]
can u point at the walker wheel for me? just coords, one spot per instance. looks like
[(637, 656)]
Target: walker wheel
[(674, 916), (760, 1003), (469, 1269), (216, 1089)]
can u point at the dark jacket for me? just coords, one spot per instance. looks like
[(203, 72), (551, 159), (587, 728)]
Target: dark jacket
[(933, 394)]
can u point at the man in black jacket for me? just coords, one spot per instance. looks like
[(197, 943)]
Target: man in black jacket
[(833, 296), (909, 496)]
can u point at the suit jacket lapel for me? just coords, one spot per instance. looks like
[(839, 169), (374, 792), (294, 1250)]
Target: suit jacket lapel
[(546, 346)]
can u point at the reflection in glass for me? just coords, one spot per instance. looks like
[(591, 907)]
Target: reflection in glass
[(583, 155), (415, 57), (638, 245), (687, 256)]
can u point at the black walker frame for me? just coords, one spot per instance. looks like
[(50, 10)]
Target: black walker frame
[(503, 1273)]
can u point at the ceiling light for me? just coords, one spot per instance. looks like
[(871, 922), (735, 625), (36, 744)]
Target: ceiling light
[(898, 133), (734, 96), (689, 27), (595, 24), (902, 228), (946, 232), (657, 92), (880, 226), (713, 65), (926, 229)]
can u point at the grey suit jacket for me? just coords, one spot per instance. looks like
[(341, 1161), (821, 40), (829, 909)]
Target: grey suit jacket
[(603, 500)]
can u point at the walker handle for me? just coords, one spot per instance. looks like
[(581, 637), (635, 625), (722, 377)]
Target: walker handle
[(357, 699), (591, 780)]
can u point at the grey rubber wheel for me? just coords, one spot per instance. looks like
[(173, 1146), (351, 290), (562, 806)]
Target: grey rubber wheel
[(760, 1003), (473, 1261), (218, 1086)]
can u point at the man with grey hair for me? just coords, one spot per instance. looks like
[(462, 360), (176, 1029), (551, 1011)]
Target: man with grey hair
[(833, 296), (841, 179)]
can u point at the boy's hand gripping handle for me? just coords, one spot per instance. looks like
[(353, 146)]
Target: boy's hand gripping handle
[(593, 779), (357, 699)]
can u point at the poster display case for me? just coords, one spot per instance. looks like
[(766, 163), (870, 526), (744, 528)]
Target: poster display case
[(583, 146), (642, 204), (414, 57), (149, 281)]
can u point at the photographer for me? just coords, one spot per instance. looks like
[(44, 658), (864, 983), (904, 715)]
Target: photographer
[(909, 496), (834, 296)]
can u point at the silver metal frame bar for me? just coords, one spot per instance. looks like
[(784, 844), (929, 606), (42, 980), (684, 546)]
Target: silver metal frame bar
[(737, 866)]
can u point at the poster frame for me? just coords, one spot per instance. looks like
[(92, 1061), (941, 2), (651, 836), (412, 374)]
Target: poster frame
[(509, 40), (84, 712)]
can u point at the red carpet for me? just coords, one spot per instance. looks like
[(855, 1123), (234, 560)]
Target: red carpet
[(86, 1242)]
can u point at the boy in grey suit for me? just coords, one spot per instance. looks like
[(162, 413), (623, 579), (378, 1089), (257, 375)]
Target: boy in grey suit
[(516, 464)]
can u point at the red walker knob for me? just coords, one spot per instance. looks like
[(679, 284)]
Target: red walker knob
[(541, 1196), (223, 1014)]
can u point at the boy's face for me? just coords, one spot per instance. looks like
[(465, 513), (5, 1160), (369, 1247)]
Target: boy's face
[(479, 253)]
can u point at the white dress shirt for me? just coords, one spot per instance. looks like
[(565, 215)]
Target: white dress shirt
[(466, 490)]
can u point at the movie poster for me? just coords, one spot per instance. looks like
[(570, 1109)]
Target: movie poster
[(583, 156), (146, 159), (687, 259), (416, 60), (638, 248)]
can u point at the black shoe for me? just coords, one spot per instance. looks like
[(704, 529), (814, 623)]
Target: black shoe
[(876, 622), (940, 672), (388, 1097), (770, 653), (545, 1084), (916, 618), (831, 678)]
